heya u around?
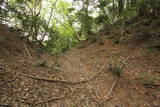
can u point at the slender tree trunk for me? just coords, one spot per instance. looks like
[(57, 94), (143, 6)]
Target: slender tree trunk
[(156, 8), (142, 9), (120, 5), (49, 20), (133, 3), (36, 27), (128, 3), (113, 18)]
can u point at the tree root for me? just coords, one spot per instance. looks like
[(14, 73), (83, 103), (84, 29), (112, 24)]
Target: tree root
[(33, 104), (55, 81), (48, 100), (59, 81), (108, 96), (64, 81), (115, 81)]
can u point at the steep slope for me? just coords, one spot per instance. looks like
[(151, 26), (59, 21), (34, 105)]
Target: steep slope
[(8, 42), (80, 77)]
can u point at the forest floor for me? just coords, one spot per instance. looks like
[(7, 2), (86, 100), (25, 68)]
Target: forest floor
[(80, 77)]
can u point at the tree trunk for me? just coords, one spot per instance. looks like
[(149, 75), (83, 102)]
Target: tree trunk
[(142, 9), (43, 37), (133, 3), (128, 3), (121, 5), (156, 8)]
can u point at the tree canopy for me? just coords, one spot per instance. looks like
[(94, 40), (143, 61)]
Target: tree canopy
[(59, 24)]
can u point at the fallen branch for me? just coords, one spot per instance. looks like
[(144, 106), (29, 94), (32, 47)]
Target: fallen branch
[(63, 81), (112, 86), (11, 80), (32, 103), (75, 101), (30, 56), (115, 81), (49, 100), (47, 105), (59, 81), (107, 98), (124, 61), (95, 101)]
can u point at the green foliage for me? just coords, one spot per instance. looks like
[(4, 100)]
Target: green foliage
[(117, 67), (60, 24), (85, 21), (42, 64), (61, 40), (117, 70)]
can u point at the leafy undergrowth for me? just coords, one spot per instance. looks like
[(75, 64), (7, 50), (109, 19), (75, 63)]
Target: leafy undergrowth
[(81, 77)]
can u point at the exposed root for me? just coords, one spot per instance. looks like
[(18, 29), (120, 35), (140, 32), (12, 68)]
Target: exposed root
[(59, 81), (107, 97), (44, 98), (115, 81), (75, 101), (112, 86), (48, 100), (124, 61), (29, 54), (63, 81), (98, 104)]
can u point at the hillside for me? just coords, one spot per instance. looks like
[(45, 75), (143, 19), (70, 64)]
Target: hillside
[(96, 75)]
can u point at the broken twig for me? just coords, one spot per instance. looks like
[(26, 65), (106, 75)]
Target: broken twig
[(49, 100), (115, 81), (107, 97), (30, 56)]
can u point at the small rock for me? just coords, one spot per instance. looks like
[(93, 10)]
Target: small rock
[(26, 89), (22, 83)]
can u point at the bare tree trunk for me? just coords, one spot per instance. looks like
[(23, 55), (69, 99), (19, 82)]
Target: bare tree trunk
[(113, 19), (49, 20), (120, 5), (142, 8), (34, 28), (133, 3), (128, 3), (156, 8)]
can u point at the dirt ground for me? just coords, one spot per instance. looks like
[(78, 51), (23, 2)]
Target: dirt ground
[(80, 77)]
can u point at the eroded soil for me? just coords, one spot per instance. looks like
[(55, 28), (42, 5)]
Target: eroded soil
[(137, 86), (78, 64)]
